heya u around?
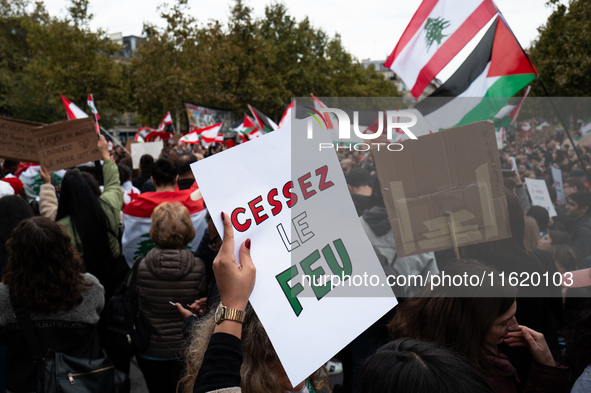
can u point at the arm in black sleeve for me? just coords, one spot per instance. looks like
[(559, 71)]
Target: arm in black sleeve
[(221, 364)]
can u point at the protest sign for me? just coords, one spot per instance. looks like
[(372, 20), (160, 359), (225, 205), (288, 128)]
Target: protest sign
[(538, 192), (66, 144), (513, 164), (292, 201), (200, 117), (457, 171), (557, 176), (139, 149), (16, 142)]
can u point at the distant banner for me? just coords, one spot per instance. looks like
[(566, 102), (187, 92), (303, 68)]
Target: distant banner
[(200, 116)]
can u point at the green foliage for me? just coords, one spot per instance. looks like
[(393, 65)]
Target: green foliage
[(561, 53), (48, 56), (263, 62)]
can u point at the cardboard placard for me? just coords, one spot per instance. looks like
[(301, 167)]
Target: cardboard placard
[(66, 144), (456, 170), (16, 141), (538, 192), (318, 233), (139, 149)]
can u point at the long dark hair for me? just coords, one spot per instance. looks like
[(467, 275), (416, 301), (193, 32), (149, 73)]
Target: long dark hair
[(89, 222), (43, 272), (408, 365), (456, 317)]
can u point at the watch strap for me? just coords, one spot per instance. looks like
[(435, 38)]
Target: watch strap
[(232, 314)]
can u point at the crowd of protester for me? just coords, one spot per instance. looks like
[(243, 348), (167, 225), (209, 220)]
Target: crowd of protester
[(61, 260)]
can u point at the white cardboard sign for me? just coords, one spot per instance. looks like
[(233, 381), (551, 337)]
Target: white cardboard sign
[(297, 211), (139, 149), (558, 186), (513, 164), (538, 192)]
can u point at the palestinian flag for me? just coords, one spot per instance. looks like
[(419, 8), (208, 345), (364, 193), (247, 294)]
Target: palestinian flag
[(286, 118), (137, 220), (435, 35), (72, 110), (263, 122), (246, 129), (494, 72), (509, 113)]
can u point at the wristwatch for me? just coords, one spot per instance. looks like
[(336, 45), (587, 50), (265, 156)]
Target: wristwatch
[(223, 313)]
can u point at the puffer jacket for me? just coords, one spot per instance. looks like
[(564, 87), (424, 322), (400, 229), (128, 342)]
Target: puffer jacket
[(168, 275)]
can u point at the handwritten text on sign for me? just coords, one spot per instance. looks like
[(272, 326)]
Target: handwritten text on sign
[(293, 203)]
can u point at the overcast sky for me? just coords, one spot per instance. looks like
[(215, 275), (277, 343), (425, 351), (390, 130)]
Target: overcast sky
[(369, 28)]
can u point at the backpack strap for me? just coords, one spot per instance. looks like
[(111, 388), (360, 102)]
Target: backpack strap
[(21, 314), (131, 278)]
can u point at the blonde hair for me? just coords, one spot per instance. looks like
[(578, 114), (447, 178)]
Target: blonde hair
[(259, 372), (171, 226), (532, 232)]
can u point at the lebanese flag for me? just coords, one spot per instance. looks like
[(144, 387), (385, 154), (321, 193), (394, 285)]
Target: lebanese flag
[(286, 118), (72, 110), (495, 71), (435, 35), (210, 134), (191, 137), (165, 122), (90, 102), (138, 138), (164, 136), (137, 220)]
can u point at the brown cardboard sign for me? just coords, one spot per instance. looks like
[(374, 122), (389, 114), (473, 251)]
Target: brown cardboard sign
[(16, 142), (66, 144), (456, 171)]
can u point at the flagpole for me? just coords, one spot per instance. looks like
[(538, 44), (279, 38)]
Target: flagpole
[(115, 140), (552, 102), (565, 129)]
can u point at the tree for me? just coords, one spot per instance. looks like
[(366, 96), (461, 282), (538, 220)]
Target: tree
[(561, 53), (263, 62), (49, 57)]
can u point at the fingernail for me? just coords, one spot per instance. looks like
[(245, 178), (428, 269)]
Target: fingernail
[(247, 243), (222, 216)]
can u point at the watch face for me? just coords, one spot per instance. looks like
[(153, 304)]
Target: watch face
[(218, 313)]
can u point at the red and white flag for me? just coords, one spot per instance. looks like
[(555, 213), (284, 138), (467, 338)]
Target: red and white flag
[(211, 134), (165, 122), (286, 118), (72, 110), (137, 220), (191, 137), (435, 35)]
